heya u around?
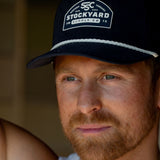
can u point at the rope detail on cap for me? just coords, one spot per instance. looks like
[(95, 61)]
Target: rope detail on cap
[(119, 44)]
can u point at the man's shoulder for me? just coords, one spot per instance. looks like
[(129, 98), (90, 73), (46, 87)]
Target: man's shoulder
[(20, 144)]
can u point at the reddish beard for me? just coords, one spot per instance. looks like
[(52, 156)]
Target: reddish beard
[(93, 147), (109, 145), (95, 118)]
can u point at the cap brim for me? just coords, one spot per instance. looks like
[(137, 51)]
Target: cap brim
[(108, 53)]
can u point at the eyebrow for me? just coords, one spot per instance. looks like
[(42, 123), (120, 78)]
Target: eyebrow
[(64, 70), (100, 68), (115, 67)]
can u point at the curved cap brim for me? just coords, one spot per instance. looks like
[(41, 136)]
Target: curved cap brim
[(109, 53)]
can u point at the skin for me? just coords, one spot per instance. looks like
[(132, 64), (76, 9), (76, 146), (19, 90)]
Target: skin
[(18, 144), (103, 104)]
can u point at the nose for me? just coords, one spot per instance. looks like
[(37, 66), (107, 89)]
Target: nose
[(88, 99)]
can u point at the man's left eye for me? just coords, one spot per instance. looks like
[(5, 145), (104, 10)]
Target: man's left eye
[(109, 77)]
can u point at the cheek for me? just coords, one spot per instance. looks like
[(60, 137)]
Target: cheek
[(66, 103), (126, 101)]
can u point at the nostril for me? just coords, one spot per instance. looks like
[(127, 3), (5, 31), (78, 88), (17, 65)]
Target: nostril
[(95, 109)]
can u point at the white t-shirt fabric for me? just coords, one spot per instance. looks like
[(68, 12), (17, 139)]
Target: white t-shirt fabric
[(73, 156)]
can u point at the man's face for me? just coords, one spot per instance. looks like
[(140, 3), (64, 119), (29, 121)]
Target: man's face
[(106, 110)]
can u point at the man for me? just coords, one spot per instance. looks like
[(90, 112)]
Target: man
[(106, 62), (18, 144)]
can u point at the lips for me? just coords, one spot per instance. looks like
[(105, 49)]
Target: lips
[(92, 128)]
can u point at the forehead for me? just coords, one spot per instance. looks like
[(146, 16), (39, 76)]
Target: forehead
[(73, 63)]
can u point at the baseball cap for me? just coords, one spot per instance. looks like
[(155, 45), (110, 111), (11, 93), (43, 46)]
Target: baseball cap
[(116, 31)]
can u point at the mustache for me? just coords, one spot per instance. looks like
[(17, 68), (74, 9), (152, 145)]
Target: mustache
[(94, 118)]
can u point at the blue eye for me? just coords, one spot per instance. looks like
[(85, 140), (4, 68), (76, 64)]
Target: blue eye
[(109, 77), (71, 79)]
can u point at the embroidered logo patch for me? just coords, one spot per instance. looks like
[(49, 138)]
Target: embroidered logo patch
[(88, 13)]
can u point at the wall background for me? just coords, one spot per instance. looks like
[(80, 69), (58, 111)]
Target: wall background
[(27, 97)]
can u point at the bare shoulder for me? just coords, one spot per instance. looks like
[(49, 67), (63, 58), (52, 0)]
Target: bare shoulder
[(19, 144)]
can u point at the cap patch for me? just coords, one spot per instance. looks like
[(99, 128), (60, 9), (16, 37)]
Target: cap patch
[(87, 13)]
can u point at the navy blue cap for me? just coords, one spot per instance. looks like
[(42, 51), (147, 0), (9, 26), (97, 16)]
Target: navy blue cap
[(115, 31)]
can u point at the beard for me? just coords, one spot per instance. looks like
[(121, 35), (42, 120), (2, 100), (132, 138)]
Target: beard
[(114, 142)]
